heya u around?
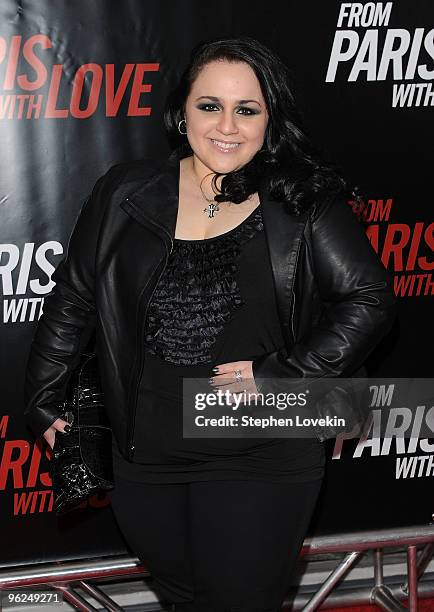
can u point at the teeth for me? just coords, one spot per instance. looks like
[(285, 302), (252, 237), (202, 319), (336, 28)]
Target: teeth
[(225, 145)]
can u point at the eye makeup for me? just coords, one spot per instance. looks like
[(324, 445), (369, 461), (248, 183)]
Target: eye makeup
[(205, 106)]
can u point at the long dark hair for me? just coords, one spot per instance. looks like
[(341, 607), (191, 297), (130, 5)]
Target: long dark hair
[(291, 167)]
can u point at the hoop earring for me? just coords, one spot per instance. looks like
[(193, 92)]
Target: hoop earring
[(179, 127)]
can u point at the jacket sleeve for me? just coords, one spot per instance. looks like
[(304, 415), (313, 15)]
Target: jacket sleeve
[(68, 317), (357, 291)]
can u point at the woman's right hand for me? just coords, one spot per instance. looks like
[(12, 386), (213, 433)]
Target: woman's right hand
[(50, 434)]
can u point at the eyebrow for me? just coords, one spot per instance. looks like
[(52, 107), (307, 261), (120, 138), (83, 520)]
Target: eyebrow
[(215, 99)]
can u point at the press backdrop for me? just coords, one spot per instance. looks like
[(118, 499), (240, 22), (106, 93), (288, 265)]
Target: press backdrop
[(82, 86)]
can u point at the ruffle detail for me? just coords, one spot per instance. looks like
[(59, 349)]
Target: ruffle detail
[(197, 294)]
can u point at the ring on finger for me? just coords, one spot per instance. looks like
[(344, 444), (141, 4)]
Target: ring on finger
[(238, 376)]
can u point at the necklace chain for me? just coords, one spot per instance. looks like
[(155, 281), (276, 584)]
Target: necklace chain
[(213, 207)]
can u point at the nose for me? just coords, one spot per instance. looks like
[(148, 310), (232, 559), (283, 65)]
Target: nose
[(227, 123)]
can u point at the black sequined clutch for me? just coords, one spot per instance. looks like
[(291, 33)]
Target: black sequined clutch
[(82, 458)]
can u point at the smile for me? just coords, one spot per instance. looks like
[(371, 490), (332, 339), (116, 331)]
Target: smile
[(226, 147)]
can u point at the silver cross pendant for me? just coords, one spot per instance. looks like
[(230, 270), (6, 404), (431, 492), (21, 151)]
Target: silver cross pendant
[(211, 209)]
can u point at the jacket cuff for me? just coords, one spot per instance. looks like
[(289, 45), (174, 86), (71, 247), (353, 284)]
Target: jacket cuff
[(40, 418), (273, 375), (270, 371), (265, 366)]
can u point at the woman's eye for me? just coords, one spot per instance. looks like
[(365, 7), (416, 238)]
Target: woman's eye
[(204, 107), (250, 111)]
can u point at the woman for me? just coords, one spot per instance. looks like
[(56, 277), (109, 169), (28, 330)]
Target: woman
[(235, 259)]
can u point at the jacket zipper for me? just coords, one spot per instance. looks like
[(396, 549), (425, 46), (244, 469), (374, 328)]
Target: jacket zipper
[(133, 402), (293, 280), (292, 315)]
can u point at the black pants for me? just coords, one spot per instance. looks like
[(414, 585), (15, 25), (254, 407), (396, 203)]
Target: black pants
[(217, 546)]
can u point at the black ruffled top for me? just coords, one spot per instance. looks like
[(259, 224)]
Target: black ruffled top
[(197, 294)]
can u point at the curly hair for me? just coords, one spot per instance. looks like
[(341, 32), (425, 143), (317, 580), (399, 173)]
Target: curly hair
[(288, 164)]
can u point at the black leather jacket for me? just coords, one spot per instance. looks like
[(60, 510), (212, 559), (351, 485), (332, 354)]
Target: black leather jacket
[(334, 296)]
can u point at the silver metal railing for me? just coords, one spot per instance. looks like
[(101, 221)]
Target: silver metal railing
[(356, 544), (65, 576)]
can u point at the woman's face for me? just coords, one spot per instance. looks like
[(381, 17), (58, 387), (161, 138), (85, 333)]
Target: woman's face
[(226, 116)]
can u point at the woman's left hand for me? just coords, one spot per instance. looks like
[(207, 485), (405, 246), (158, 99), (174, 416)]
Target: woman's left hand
[(226, 381)]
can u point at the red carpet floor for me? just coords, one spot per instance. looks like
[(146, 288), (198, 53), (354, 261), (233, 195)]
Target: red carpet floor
[(424, 605)]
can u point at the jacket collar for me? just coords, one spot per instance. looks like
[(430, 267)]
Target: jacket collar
[(155, 205), (156, 200)]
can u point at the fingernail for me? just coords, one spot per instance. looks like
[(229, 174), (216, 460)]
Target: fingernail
[(215, 370)]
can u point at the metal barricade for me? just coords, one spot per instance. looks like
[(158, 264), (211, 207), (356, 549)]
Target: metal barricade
[(65, 576)]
